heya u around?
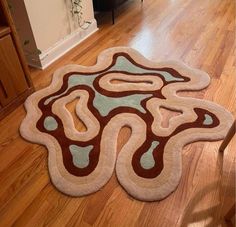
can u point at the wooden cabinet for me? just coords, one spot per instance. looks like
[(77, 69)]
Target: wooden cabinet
[(15, 82)]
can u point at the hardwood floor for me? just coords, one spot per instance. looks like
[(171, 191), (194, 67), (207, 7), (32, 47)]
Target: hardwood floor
[(200, 33)]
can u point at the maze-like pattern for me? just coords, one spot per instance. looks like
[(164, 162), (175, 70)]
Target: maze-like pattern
[(122, 89)]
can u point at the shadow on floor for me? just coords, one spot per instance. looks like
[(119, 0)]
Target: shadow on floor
[(212, 217)]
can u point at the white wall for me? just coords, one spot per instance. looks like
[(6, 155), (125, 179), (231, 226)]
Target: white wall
[(49, 21), (50, 27)]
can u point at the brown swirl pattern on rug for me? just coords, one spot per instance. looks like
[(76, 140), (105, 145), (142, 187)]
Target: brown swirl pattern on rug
[(122, 89)]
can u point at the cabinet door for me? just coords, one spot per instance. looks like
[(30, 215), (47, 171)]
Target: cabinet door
[(12, 78)]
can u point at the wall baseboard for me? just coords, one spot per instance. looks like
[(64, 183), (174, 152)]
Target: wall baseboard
[(47, 57)]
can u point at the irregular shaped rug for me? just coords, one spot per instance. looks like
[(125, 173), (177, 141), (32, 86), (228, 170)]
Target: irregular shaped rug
[(122, 89)]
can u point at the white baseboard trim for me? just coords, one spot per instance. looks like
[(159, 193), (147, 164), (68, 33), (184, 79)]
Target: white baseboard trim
[(47, 57)]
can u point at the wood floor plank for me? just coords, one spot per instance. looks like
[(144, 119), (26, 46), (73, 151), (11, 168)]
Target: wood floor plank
[(19, 174), (22, 200)]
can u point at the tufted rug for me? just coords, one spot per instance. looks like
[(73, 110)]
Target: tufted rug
[(78, 118)]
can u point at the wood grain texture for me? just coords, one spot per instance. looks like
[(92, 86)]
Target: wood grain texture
[(15, 80), (4, 30), (200, 33), (12, 77)]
